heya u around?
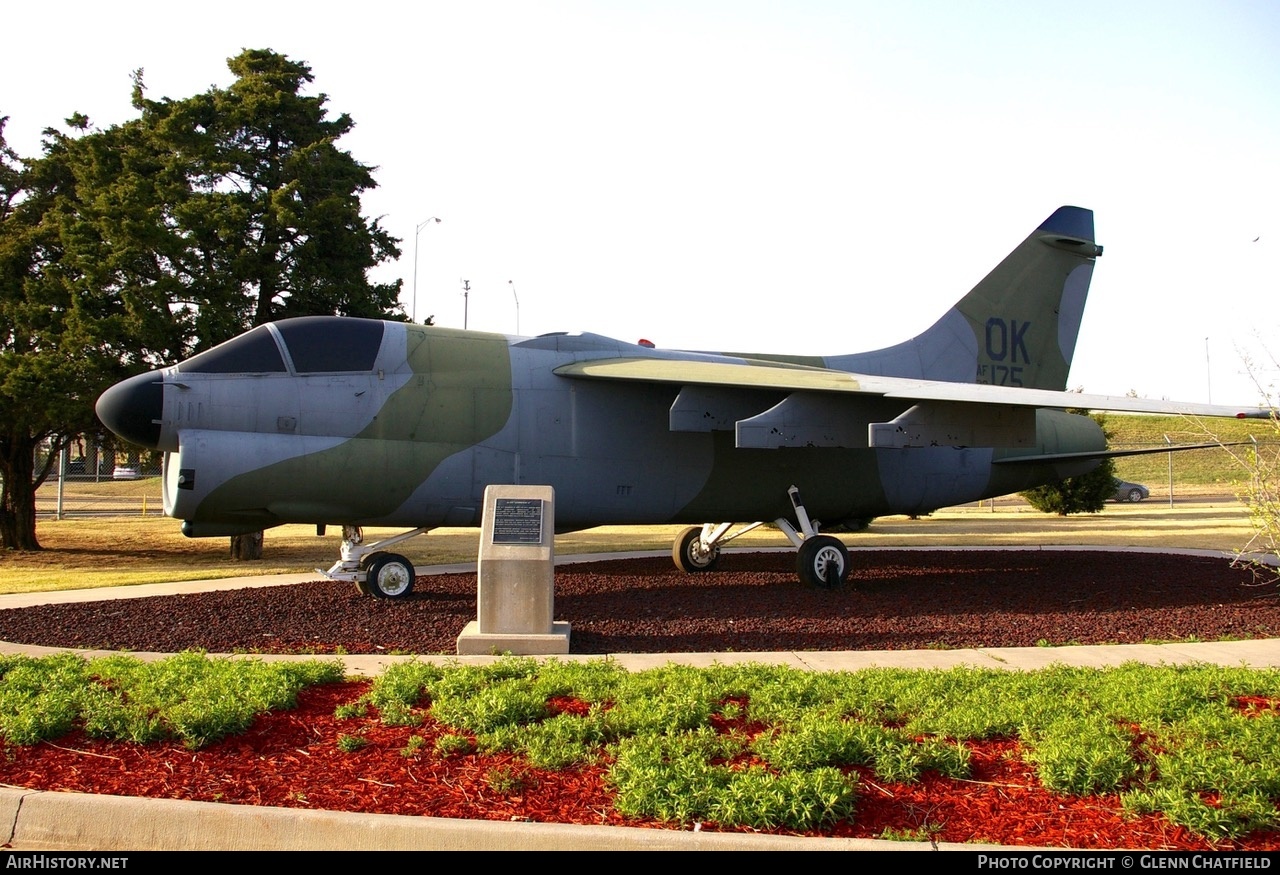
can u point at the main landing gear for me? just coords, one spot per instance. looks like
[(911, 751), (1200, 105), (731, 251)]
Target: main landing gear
[(821, 560), (374, 571)]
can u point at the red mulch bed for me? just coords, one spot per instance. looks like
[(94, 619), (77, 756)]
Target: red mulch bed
[(291, 759), (896, 600)]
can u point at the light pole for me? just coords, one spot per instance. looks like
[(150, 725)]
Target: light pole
[(413, 315), (466, 300), (512, 283)]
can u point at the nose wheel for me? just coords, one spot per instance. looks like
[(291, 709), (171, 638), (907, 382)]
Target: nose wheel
[(374, 571), (692, 552), (388, 575)]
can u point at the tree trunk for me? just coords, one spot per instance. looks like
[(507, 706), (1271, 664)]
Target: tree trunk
[(247, 547), (18, 494)]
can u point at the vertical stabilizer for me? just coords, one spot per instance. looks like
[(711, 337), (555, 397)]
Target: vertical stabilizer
[(1017, 327)]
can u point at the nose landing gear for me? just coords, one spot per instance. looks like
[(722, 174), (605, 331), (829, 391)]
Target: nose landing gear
[(374, 571)]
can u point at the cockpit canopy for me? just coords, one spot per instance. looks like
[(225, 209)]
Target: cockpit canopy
[(314, 344)]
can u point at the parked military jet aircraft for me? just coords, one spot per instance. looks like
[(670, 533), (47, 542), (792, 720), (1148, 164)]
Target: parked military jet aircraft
[(357, 422)]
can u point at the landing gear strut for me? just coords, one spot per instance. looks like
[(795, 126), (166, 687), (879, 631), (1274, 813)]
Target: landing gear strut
[(697, 548), (374, 571), (821, 560)]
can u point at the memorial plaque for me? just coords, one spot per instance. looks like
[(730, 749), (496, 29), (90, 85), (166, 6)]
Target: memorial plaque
[(515, 575), (517, 521)]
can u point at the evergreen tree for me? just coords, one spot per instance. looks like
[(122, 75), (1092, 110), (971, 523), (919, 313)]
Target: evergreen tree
[(267, 207), (63, 338), (138, 245), (25, 364), (1085, 493)]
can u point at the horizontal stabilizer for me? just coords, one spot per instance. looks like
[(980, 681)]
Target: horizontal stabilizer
[(1106, 454)]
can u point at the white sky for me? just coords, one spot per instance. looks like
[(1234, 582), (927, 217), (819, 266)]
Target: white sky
[(795, 177)]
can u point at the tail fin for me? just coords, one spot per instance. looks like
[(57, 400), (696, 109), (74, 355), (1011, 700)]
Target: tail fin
[(1017, 327)]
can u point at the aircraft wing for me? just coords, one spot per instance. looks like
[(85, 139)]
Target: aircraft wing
[(819, 410), (788, 377), (747, 375)]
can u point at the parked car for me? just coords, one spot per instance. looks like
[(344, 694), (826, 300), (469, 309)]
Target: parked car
[(1126, 491), (125, 472)]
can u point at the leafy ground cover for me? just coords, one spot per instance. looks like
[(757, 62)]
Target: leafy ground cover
[(336, 749), (1133, 757)]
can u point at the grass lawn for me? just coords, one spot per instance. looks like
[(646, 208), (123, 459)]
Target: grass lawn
[(101, 550)]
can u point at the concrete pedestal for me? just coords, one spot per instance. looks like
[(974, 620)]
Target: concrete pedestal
[(516, 591)]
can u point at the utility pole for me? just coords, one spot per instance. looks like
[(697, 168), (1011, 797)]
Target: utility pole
[(466, 295)]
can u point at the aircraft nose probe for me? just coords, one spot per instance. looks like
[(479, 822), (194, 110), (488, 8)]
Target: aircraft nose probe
[(133, 409)]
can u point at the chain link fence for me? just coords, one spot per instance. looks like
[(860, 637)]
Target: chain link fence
[(88, 480)]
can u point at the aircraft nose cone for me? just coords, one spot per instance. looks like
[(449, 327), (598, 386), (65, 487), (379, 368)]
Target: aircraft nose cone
[(133, 409)]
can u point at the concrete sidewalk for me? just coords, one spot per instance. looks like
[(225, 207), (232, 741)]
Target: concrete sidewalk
[(47, 821)]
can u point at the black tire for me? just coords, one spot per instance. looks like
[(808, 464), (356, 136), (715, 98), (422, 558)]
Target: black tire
[(389, 575), (822, 561), (688, 554), (362, 585), (1135, 495)]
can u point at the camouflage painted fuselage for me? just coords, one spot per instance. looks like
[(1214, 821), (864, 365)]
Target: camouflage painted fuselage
[(348, 421), (441, 414)]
